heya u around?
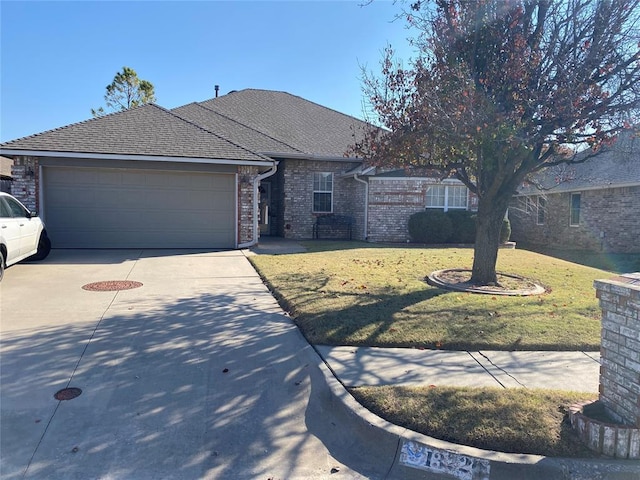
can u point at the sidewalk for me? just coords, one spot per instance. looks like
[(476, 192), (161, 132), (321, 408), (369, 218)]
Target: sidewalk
[(371, 366)]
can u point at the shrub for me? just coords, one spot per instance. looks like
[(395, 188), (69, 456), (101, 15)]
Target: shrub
[(505, 231), (464, 226), (430, 226)]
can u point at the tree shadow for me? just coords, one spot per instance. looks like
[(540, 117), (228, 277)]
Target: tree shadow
[(214, 386)]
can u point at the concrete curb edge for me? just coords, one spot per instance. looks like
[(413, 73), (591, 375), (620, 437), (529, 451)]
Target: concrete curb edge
[(470, 462)]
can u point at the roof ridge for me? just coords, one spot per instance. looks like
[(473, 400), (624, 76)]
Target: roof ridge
[(81, 122), (294, 96), (213, 133), (249, 127)]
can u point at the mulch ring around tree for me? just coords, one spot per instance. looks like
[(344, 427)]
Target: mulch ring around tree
[(459, 279)]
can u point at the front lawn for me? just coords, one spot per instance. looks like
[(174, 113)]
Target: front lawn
[(514, 420), (371, 295)]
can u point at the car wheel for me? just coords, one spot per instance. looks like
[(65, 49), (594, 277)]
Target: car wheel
[(1, 265), (44, 247)]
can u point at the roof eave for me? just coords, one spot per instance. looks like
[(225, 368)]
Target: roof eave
[(311, 156), (577, 189), (144, 158)]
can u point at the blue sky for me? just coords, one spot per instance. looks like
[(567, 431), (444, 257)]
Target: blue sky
[(57, 57)]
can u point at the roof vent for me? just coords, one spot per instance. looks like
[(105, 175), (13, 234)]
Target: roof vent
[(216, 88)]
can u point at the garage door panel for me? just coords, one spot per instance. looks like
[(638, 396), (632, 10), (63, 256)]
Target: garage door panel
[(120, 208)]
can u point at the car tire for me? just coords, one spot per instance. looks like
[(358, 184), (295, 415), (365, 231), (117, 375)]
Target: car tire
[(1, 265), (44, 247)]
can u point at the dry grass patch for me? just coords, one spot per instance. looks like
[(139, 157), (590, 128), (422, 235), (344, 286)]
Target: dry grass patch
[(511, 420), (372, 295)]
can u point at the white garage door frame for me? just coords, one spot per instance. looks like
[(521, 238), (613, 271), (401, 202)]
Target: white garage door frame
[(227, 215)]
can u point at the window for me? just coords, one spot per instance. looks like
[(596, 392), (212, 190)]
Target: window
[(447, 196), (529, 205), (16, 210), (322, 192), (542, 207), (574, 215)]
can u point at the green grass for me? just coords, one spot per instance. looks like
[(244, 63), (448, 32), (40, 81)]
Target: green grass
[(512, 420), (351, 293), (614, 262)]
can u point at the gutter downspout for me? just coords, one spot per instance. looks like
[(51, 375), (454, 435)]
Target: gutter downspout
[(256, 184), (366, 205)]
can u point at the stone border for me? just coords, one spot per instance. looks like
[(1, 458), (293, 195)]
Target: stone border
[(612, 440), (434, 280)]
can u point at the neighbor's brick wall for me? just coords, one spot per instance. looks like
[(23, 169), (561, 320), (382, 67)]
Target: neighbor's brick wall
[(620, 347), (26, 188), (608, 221), (297, 204)]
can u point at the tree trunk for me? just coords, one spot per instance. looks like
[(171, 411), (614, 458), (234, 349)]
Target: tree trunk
[(491, 212)]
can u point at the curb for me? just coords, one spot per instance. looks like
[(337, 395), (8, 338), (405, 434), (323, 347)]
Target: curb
[(412, 455)]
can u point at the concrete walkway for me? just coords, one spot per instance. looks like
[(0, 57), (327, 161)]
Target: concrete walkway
[(578, 371)]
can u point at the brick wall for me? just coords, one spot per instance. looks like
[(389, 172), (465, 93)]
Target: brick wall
[(246, 176), (620, 347), (608, 221), (391, 203), (297, 202), (26, 181)]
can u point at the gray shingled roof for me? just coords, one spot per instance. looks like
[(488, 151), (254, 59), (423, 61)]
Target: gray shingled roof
[(232, 130), (618, 165), (299, 123), (146, 130)]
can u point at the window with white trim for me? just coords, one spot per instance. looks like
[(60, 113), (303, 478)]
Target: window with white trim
[(322, 192), (541, 208), (447, 196), (574, 214)]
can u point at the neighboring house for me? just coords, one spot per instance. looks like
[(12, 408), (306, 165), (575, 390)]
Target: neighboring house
[(592, 206), (6, 178), (213, 174)]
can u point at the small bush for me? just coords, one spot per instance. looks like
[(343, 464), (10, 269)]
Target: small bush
[(430, 226), (464, 226), (505, 231)]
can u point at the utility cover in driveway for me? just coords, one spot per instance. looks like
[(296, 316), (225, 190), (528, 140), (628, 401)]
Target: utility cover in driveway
[(127, 208)]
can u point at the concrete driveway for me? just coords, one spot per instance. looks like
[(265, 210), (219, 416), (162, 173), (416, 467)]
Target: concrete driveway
[(195, 374)]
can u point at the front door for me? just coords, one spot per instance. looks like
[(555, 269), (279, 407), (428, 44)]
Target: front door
[(265, 208)]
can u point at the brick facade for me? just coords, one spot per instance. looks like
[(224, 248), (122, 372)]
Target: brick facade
[(246, 176), (620, 347), (296, 200), (26, 179), (391, 203), (608, 221), (393, 200)]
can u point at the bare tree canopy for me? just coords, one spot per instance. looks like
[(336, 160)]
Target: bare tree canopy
[(126, 91), (501, 89)]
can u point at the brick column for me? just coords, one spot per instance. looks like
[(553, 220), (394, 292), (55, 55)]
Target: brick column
[(620, 347), (25, 181)]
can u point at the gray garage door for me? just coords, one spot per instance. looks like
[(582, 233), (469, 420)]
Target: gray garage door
[(124, 208)]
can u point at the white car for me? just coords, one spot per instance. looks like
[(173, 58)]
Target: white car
[(22, 233)]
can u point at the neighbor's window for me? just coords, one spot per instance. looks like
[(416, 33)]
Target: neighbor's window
[(447, 196), (529, 205), (323, 192), (574, 217), (542, 207)]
